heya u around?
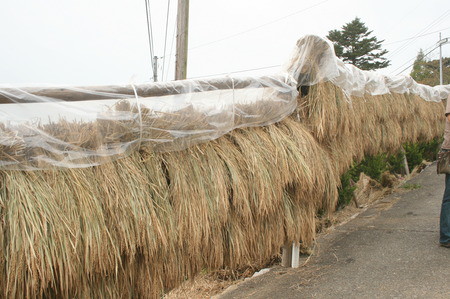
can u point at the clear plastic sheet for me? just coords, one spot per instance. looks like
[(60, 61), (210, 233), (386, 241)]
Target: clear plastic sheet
[(79, 127), (45, 127), (313, 60)]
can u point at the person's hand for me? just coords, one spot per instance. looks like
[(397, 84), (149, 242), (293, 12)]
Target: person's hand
[(448, 117)]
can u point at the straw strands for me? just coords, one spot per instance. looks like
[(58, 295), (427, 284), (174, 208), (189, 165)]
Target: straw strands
[(350, 128), (124, 127), (140, 225)]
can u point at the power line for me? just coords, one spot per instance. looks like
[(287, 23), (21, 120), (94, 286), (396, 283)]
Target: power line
[(413, 62), (399, 21), (278, 65), (414, 37), (431, 25), (410, 61), (149, 31), (149, 26), (257, 27), (241, 71), (165, 39), (171, 49)]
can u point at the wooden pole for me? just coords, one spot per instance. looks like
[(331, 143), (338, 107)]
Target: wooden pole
[(182, 39)]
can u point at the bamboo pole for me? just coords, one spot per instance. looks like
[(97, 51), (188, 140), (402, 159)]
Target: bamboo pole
[(87, 93)]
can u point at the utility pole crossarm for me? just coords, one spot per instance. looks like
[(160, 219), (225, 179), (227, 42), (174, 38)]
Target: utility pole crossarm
[(443, 41)]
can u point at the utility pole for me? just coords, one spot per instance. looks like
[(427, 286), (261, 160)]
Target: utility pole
[(182, 39), (440, 60), (155, 68), (441, 42)]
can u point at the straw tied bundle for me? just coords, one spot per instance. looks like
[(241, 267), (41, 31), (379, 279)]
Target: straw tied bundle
[(139, 226)]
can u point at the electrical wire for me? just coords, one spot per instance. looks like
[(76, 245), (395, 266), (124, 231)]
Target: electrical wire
[(241, 71), (171, 50), (400, 20), (165, 39), (414, 37), (409, 61), (431, 25), (425, 55), (149, 32), (257, 27)]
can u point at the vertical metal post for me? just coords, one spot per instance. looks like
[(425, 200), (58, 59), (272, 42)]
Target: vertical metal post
[(182, 39), (155, 68), (290, 256), (440, 61), (295, 255)]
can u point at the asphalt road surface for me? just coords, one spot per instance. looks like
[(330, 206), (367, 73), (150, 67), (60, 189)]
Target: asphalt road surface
[(389, 251)]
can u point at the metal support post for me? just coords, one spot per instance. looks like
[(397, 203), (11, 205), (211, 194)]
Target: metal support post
[(155, 68), (290, 256)]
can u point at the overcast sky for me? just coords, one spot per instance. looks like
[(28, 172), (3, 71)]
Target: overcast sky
[(90, 42)]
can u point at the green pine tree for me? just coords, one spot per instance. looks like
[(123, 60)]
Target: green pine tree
[(354, 44), (419, 71)]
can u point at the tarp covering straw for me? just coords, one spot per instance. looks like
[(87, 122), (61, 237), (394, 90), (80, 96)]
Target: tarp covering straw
[(74, 127), (212, 174)]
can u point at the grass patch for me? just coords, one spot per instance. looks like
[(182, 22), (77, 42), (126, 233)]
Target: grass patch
[(374, 166), (409, 186)]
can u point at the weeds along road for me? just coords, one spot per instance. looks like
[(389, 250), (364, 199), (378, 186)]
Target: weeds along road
[(389, 251)]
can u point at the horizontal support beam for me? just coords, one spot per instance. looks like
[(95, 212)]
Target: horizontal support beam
[(88, 93)]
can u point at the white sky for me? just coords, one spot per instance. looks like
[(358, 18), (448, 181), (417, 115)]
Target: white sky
[(90, 42)]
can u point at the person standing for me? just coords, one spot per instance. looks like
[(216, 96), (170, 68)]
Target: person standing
[(444, 225)]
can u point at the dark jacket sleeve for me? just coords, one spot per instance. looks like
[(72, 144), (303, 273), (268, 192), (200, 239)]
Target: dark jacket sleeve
[(447, 109)]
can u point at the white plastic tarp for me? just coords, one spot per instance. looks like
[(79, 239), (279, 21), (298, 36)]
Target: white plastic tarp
[(45, 127)]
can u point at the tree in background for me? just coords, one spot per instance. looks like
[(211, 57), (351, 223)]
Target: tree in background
[(353, 44), (427, 71)]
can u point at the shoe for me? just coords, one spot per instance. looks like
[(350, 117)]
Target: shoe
[(447, 245)]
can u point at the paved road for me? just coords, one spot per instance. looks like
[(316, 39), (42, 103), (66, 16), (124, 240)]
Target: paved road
[(389, 251)]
